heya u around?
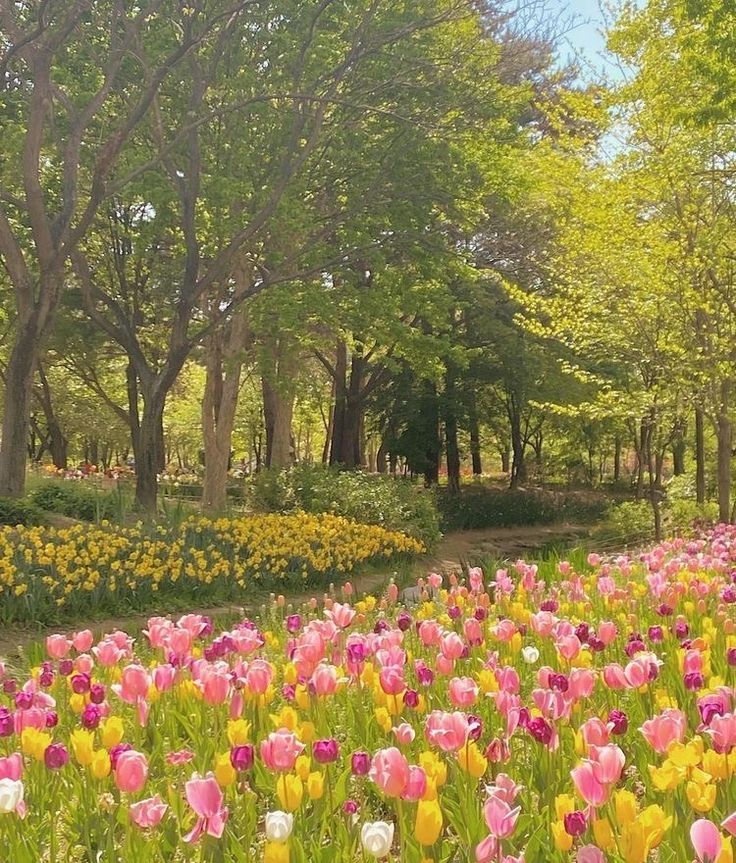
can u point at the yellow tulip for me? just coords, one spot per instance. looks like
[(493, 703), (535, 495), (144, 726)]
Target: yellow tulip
[(315, 785), (112, 732), (276, 852), (225, 773), (562, 839), (82, 745), (238, 732), (100, 766), (472, 760), (290, 791), (428, 824)]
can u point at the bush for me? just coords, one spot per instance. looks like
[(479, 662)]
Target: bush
[(14, 512), (632, 522), (397, 504), (75, 500), (480, 507), (626, 523)]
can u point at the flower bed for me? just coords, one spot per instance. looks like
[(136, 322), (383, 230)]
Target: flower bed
[(45, 572), (499, 720)]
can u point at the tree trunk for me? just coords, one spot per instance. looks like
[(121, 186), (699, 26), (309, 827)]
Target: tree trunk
[(617, 459), (17, 410), (505, 453), (341, 395), (278, 402), (223, 365), (147, 452), (678, 449), (382, 456), (518, 465), (452, 451), (699, 455), (725, 443), (475, 442)]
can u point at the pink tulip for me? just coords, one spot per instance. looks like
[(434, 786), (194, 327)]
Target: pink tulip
[(84, 663), (205, 798), (393, 592), (568, 647), (435, 580), (663, 730), (214, 681), (448, 731), (164, 677), (259, 675), (508, 679), (590, 854), (11, 767), (108, 653), (608, 763), (404, 734), (416, 785), (82, 641), (590, 788), (341, 615), (500, 817), (463, 691), (58, 646), (607, 632), (722, 730), (595, 732), (392, 680), (451, 646), (730, 824), (148, 813), (390, 771), (134, 684), (487, 850), (429, 632), (614, 676), (280, 750), (131, 771), (180, 641), (707, 840), (505, 788)]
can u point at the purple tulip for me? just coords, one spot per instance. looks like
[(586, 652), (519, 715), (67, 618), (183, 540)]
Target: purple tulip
[(66, 666), (7, 723), (618, 721), (325, 751), (540, 730), (97, 693), (55, 756), (575, 823), (360, 763), (242, 757), (80, 683), (694, 681), (52, 719), (91, 716), (24, 700), (293, 623)]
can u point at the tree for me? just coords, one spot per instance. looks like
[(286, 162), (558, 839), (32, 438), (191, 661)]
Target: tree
[(71, 121)]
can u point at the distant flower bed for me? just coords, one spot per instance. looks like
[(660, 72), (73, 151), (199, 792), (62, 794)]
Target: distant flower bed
[(46, 572), (503, 719)]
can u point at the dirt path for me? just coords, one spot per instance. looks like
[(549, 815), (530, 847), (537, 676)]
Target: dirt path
[(454, 552)]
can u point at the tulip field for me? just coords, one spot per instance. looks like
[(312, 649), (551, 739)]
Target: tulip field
[(588, 716)]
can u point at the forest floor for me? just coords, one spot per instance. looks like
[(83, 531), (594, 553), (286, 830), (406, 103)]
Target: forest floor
[(454, 552)]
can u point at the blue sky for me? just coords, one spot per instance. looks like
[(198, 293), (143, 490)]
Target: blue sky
[(582, 34)]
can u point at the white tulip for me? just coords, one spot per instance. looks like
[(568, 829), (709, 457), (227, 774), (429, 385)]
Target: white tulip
[(530, 654), (279, 826), (11, 795), (377, 837)]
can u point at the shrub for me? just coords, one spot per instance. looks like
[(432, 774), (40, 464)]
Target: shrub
[(14, 512), (626, 523), (480, 507), (75, 500), (397, 504)]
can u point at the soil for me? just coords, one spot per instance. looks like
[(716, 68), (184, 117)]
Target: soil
[(454, 552)]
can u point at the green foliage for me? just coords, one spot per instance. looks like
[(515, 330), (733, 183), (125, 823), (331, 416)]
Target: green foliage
[(481, 507), (398, 504), (632, 523), (75, 500), (14, 512)]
